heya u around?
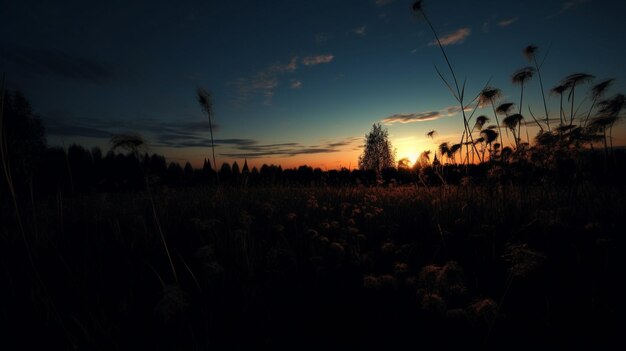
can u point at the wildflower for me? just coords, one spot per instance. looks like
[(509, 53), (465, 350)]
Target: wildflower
[(337, 248), (485, 309), (312, 203), (428, 276), (312, 233), (522, 259), (351, 222), (388, 248), (291, 217), (433, 303), (450, 279), (371, 282)]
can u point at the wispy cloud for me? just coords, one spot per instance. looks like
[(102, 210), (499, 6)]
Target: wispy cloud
[(316, 60), (507, 22), (383, 2), (412, 117), (456, 37), (256, 150), (290, 67), (423, 116), (54, 62), (262, 83), (265, 82), (175, 133), (568, 6), (359, 30)]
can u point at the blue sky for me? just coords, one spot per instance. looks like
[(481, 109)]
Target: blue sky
[(293, 82)]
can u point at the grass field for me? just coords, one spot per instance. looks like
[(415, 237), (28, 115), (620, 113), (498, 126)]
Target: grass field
[(203, 267)]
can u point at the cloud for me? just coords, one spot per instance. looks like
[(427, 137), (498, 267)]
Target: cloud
[(507, 22), (54, 62), (456, 37), (567, 6), (62, 128), (423, 116), (485, 27), (177, 134), (359, 30), (266, 82), (412, 117), (290, 67), (296, 84), (289, 149), (316, 60), (383, 2), (263, 83)]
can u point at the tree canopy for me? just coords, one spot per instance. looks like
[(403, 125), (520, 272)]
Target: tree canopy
[(378, 152)]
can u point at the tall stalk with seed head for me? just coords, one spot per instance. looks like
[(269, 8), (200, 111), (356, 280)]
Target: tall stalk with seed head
[(529, 52), (458, 92), (205, 101)]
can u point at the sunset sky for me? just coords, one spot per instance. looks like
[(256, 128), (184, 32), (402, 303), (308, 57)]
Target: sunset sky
[(293, 82)]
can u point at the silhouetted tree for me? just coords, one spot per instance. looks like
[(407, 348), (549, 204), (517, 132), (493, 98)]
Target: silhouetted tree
[(175, 174), (225, 173), (377, 154), (235, 171), (130, 142)]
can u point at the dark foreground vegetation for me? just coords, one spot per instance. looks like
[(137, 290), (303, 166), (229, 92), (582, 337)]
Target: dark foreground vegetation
[(299, 267)]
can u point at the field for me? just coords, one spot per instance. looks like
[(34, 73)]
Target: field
[(308, 267)]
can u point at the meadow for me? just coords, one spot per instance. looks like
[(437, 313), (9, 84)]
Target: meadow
[(312, 266), (491, 244)]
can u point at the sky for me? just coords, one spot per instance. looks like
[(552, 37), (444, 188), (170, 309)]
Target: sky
[(293, 82)]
